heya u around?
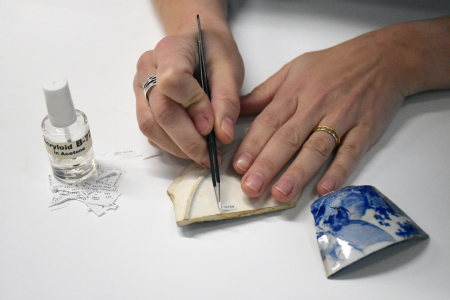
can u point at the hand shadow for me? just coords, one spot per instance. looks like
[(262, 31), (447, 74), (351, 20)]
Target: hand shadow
[(377, 12), (383, 261), (359, 11), (414, 106)]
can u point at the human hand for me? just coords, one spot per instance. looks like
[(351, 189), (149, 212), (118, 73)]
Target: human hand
[(178, 112), (356, 88)]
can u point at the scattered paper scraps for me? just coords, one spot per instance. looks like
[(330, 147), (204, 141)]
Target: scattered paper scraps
[(100, 153), (146, 154), (126, 154), (99, 193), (151, 156)]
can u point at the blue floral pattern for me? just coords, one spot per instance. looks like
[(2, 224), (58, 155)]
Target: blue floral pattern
[(354, 222)]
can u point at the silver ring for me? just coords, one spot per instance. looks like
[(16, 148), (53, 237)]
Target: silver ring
[(151, 81)]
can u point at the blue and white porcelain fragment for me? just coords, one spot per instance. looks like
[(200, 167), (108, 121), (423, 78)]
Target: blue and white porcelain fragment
[(356, 221)]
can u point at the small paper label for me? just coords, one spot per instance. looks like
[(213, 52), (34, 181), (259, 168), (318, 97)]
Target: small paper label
[(69, 150), (228, 207), (126, 154)]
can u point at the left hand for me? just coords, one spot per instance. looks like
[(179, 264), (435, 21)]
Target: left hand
[(356, 88)]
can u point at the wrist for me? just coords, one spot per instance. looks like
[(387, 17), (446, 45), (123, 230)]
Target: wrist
[(422, 52), (180, 16)]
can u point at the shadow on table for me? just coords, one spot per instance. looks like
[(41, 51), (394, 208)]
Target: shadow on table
[(384, 261), (197, 229), (355, 10), (413, 107)]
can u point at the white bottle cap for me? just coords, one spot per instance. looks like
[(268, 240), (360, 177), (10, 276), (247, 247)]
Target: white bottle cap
[(59, 102)]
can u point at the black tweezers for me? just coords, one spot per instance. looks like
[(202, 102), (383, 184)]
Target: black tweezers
[(211, 137)]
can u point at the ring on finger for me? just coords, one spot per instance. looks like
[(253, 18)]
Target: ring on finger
[(149, 83), (330, 131)]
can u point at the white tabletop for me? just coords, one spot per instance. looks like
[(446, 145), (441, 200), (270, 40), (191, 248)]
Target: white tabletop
[(138, 252)]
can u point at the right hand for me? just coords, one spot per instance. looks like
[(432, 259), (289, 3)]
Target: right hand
[(178, 113)]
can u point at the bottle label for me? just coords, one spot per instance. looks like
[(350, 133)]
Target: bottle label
[(71, 149)]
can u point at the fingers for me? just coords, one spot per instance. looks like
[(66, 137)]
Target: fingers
[(337, 87), (179, 112), (266, 124), (164, 121), (157, 137), (176, 61), (354, 146), (311, 157), (281, 147), (177, 124)]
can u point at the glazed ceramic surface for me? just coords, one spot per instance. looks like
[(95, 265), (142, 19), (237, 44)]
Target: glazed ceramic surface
[(353, 222)]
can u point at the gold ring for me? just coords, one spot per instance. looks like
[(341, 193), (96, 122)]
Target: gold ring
[(331, 131)]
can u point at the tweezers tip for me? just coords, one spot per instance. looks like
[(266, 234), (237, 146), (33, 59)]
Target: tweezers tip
[(217, 192)]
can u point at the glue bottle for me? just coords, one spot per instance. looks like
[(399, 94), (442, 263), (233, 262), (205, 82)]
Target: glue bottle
[(67, 135)]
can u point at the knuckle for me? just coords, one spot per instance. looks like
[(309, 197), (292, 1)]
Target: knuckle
[(351, 151), (169, 78), (163, 113), (298, 172), (197, 96), (153, 144), (372, 132), (349, 106), (290, 136), (165, 43), (254, 142), (342, 171), (192, 147), (232, 103), (146, 126), (261, 89), (319, 146), (266, 164), (144, 61), (356, 95), (269, 119)]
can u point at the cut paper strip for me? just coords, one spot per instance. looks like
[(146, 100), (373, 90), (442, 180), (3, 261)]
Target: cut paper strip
[(194, 200), (126, 154), (356, 221)]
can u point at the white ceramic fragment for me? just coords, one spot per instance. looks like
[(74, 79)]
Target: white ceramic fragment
[(193, 197)]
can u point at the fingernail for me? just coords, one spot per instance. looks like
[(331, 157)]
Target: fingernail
[(328, 184), (255, 181), (228, 127), (285, 186), (202, 125), (244, 161)]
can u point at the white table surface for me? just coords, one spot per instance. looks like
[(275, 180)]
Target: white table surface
[(138, 252)]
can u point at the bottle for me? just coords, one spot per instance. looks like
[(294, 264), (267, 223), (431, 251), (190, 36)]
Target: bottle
[(67, 135)]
